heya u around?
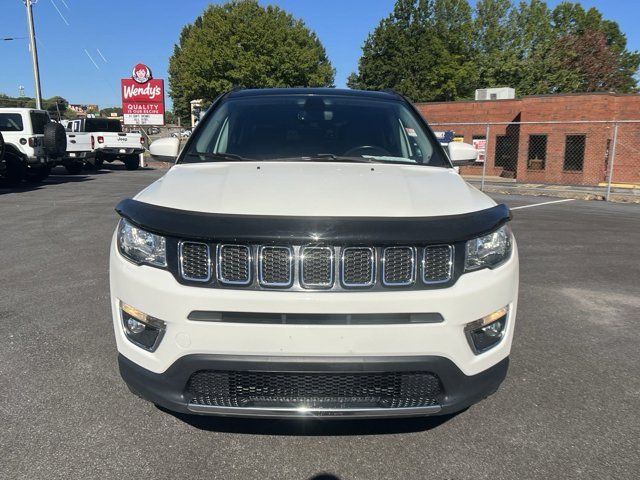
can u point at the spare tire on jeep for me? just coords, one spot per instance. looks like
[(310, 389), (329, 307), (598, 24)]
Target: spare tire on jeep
[(55, 139)]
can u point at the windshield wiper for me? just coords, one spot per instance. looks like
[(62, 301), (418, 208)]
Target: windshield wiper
[(330, 157), (227, 157)]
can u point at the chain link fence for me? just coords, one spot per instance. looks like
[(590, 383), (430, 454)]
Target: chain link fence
[(600, 157)]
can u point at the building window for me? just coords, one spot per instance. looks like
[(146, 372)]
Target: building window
[(506, 155), (574, 152), (537, 156)]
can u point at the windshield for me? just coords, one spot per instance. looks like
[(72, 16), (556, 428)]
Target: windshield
[(317, 127)]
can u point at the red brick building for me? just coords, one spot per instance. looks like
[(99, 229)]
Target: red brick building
[(563, 152)]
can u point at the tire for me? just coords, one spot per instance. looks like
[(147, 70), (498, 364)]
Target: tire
[(55, 139), (74, 168), (94, 165), (1, 146), (16, 169), (37, 174), (132, 162)]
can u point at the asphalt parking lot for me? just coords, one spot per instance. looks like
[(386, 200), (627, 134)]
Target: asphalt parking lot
[(568, 409)]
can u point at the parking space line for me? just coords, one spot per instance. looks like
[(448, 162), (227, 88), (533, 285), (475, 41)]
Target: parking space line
[(544, 203)]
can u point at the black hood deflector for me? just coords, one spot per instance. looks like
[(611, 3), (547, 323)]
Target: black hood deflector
[(295, 230)]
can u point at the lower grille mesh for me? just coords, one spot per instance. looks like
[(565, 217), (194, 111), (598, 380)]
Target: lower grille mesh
[(314, 390)]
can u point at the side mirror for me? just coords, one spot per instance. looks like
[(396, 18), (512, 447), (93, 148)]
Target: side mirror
[(165, 149), (462, 153)]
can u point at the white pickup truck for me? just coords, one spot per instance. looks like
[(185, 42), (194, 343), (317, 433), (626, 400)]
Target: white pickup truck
[(80, 149), (33, 144), (110, 142)]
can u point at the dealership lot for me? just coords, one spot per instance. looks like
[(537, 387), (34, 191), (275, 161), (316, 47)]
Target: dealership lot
[(568, 409)]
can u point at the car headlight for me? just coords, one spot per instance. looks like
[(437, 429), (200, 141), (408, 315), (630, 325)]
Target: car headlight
[(489, 250), (141, 246)]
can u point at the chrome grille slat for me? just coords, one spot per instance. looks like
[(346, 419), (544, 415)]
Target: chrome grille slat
[(316, 267), (194, 261), (358, 266), (399, 266), (437, 264), (234, 264), (275, 266)]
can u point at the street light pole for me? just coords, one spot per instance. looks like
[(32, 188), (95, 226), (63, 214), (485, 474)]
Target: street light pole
[(34, 52)]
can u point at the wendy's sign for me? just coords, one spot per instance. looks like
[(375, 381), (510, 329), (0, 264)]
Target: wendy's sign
[(142, 98)]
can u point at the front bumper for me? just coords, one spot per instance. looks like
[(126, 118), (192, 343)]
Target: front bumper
[(113, 152), (191, 345), (168, 389), (78, 156)]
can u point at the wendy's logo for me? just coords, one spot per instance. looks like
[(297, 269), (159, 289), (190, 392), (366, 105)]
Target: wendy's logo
[(141, 73)]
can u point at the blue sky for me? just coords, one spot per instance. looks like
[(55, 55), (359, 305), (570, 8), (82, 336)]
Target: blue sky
[(117, 34)]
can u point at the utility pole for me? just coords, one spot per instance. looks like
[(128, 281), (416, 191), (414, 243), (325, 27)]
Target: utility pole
[(34, 52)]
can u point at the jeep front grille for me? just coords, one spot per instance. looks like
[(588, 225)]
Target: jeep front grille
[(261, 389), (315, 267)]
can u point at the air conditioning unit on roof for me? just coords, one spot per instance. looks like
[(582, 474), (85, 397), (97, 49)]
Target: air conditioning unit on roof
[(502, 93)]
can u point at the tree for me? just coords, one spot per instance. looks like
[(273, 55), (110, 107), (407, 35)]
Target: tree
[(532, 41), (55, 106), (70, 114), (422, 50), (587, 29), (587, 64), (496, 60), (440, 50), (241, 43), (52, 105)]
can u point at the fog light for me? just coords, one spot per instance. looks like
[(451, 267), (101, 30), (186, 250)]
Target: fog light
[(133, 326), (141, 329), (487, 332)]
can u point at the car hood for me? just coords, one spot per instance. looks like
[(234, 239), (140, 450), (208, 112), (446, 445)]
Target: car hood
[(315, 189)]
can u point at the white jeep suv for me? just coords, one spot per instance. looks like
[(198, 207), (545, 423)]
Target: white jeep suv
[(33, 144), (313, 253)]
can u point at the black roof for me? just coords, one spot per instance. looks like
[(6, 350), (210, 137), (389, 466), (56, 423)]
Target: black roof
[(343, 92)]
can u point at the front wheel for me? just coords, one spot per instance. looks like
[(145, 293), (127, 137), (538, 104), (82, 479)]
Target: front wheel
[(132, 162)]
